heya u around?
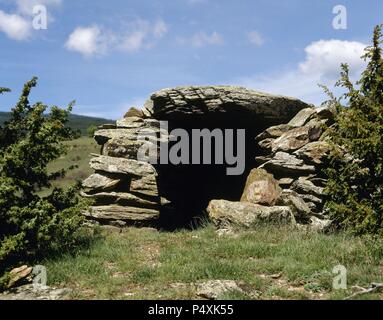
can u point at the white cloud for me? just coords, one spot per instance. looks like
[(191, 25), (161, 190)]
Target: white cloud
[(143, 34), (320, 66), (290, 83), (202, 39), (133, 42), (25, 7), (256, 38), (18, 24), (88, 41), (94, 40), (160, 28), (325, 56), (15, 26)]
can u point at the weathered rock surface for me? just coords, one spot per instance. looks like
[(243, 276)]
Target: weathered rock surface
[(261, 188), (295, 138), (134, 112), (147, 185), (274, 132), (266, 144), (311, 198), (294, 154), (302, 117), (131, 123), (122, 198), (124, 190), (23, 285), (122, 166), (127, 214), (285, 181), (35, 292), (285, 164), (325, 112), (122, 148), (98, 182), (314, 152), (319, 225), (18, 275), (218, 101), (293, 200), (223, 212), (304, 185), (130, 134), (213, 289), (107, 126)]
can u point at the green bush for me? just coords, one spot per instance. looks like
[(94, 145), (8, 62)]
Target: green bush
[(355, 168), (91, 130), (32, 226)]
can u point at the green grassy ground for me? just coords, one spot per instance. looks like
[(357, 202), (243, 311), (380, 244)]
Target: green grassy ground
[(79, 151), (270, 262)]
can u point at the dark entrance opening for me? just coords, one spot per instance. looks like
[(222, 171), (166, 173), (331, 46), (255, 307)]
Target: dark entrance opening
[(189, 188)]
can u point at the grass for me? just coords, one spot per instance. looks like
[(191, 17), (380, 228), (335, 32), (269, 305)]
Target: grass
[(269, 263), (78, 155)]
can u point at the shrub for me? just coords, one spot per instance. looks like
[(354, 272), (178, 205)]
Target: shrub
[(355, 169), (32, 226), (91, 130)]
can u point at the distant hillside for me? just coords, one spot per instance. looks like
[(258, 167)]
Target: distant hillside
[(76, 122)]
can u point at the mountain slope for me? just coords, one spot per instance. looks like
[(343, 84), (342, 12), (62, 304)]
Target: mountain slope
[(76, 122)]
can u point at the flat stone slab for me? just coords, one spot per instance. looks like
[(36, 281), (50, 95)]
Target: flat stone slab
[(122, 213), (124, 197), (122, 166), (228, 102)]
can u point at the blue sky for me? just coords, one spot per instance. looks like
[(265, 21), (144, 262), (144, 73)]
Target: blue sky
[(110, 55)]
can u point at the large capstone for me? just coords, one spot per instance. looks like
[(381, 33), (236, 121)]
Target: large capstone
[(218, 104)]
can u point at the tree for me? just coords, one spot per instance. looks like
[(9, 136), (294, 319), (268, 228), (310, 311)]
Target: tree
[(355, 168), (32, 226), (2, 90)]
